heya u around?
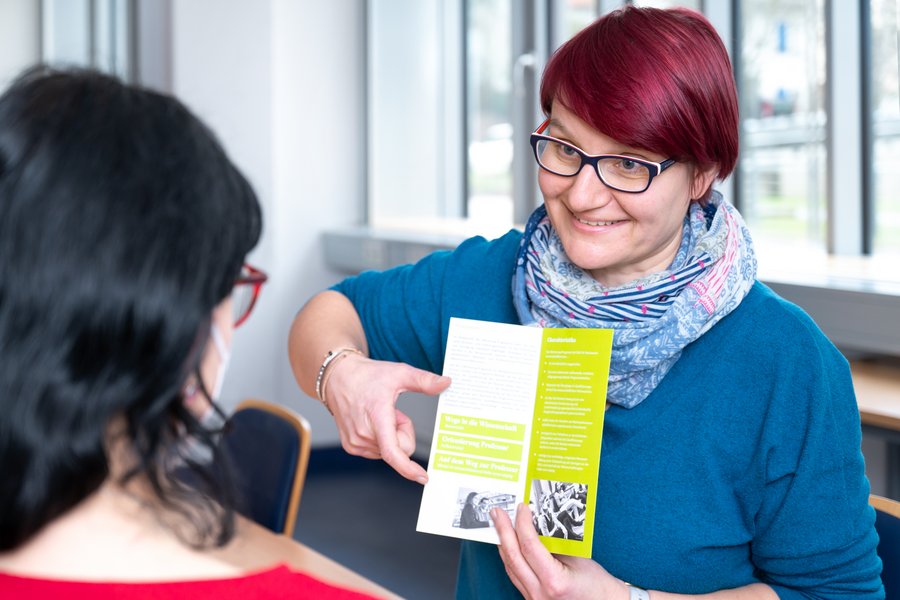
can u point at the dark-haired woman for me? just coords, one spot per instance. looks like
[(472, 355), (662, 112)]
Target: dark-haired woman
[(469, 518), (123, 233), (731, 448)]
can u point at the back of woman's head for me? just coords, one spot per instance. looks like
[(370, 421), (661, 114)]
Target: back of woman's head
[(654, 79), (122, 225)]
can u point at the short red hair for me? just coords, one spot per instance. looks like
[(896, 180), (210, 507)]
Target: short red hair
[(654, 79)]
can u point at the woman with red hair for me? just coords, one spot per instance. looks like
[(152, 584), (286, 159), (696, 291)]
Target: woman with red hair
[(731, 446)]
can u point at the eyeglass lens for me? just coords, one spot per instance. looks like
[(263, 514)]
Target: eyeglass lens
[(617, 172), (241, 302), (244, 293)]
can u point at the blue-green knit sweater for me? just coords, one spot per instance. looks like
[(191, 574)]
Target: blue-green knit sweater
[(744, 464)]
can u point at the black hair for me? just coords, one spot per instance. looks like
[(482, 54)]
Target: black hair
[(122, 225)]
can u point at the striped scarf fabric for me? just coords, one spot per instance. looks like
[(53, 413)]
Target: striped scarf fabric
[(653, 318)]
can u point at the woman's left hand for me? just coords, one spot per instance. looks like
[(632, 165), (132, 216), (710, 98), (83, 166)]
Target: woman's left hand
[(537, 574)]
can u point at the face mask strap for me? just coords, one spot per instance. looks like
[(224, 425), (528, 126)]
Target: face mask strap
[(224, 358)]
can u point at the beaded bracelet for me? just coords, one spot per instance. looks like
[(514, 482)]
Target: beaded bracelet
[(321, 377)]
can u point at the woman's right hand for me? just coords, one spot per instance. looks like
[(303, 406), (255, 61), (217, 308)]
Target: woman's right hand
[(362, 393)]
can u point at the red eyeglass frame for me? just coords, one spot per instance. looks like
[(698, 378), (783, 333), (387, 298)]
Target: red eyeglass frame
[(256, 278)]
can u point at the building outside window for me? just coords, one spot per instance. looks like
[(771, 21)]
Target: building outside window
[(885, 111), (782, 106)]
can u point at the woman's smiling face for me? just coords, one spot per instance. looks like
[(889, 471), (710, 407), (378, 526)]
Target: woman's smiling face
[(615, 236)]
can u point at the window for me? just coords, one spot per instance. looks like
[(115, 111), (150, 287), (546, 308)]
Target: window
[(448, 124), (89, 33), (820, 107), (885, 111), (506, 44), (782, 106), (489, 105), (572, 16)]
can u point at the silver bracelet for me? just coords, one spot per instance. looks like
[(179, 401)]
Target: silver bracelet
[(636, 593), (330, 357)]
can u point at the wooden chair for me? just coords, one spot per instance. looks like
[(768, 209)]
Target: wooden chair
[(267, 446), (887, 524)]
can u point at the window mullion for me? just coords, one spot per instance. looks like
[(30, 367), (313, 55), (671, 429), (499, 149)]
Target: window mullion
[(867, 204)]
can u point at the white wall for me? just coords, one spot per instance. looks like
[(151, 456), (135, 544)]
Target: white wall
[(282, 83), (318, 161), (20, 40)]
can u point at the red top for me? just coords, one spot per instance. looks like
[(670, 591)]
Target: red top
[(278, 582)]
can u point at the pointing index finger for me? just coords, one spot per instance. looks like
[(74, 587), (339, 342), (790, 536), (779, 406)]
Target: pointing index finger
[(385, 424)]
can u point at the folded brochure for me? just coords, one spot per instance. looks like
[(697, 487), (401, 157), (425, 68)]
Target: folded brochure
[(522, 421)]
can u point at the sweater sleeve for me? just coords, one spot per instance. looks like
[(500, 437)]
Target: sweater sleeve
[(814, 528), (405, 311), (400, 310)]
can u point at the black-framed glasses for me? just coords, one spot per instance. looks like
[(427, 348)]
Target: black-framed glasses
[(618, 171), (245, 293)]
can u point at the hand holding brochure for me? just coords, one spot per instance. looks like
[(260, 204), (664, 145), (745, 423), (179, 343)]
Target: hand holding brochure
[(521, 422)]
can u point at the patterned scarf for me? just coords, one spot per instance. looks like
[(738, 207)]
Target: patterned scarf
[(654, 317)]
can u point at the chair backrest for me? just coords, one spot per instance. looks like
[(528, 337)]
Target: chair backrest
[(267, 446), (887, 524)]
